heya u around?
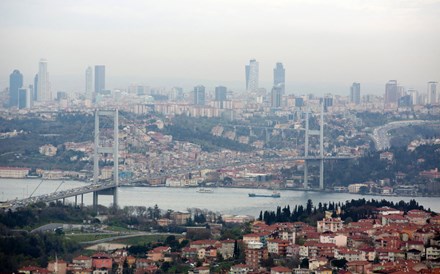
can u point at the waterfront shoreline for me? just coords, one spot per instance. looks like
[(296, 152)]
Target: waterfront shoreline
[(283, 189)]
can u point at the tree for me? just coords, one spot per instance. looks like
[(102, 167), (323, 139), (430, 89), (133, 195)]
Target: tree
[(309, 206), (341, 263), (364, 190), (156, 212), (236, 250), (269, 262), (165, 266), (304, 263)]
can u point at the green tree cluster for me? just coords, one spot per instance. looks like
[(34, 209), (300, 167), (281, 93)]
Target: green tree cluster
[(353, 210)]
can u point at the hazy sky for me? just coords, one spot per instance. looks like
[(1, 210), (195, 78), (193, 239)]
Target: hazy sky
[(325, 45)]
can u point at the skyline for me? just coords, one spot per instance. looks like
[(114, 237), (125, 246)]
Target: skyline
[(324, 48)]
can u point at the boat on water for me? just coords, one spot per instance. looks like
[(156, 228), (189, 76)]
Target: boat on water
[(205, 190), (273, 195)]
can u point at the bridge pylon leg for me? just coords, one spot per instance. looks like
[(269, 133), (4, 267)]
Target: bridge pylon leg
[(95, 200), (306, 175), (99, 149), (76, 200), (115, 197), (321, 174)]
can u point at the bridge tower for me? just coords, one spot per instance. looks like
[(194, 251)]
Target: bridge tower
[(114, 149), (320, 157)]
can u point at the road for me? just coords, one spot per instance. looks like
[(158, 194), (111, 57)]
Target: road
[(137, 234), (380, 134)]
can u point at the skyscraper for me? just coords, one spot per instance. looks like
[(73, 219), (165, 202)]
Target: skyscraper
[(89, 83), (220, 93), (432, 93), (176, 94), (15, 83), (414, 96), (99, 78), (35, 91), (44, 93), (275, 96), (355, 93), (252, 76), (391, 93), (279, 78), (24, 98), (199, 95), (327, 101)]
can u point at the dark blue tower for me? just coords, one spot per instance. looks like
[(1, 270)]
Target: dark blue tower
[(15, 83)]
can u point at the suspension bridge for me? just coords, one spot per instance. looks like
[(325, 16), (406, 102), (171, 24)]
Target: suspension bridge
[(99, 187)]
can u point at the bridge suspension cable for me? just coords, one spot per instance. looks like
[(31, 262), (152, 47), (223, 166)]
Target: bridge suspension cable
[(82, 132)]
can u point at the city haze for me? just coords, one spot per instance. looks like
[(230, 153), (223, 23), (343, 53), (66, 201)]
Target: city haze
[(324, 47)]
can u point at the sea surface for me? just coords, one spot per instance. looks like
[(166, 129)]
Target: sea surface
[(223, 200)]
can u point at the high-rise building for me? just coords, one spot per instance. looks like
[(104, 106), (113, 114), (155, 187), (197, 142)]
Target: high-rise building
[(275, 96), (414, 96), (405, 101), (99, 78), (252, 76), (15, 83), (355, 93), (279, 77), (89, 83), (35, 91), (176, 94), (199, 95), (432, 93), (327, 101), (220, 93), (391, 93), (24, 98), (31, 94), (44, 93)]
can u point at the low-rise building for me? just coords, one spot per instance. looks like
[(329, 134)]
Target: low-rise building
[(13, 172), (48, 150), (329, 224), (280, 270)]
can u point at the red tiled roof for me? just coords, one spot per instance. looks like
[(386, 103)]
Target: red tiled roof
[(160, 249), (394, 217), (415, 243), (101, 255), (13, 168), (281, 269), (254, 235), (383, 250), (82, 258), (353, 263), (240, 266), (204, 242)]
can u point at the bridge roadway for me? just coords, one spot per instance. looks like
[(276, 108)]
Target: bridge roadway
[(381, 135), (102, 187)]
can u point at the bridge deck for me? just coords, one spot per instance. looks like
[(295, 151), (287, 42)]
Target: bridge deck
[(100, 187)]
